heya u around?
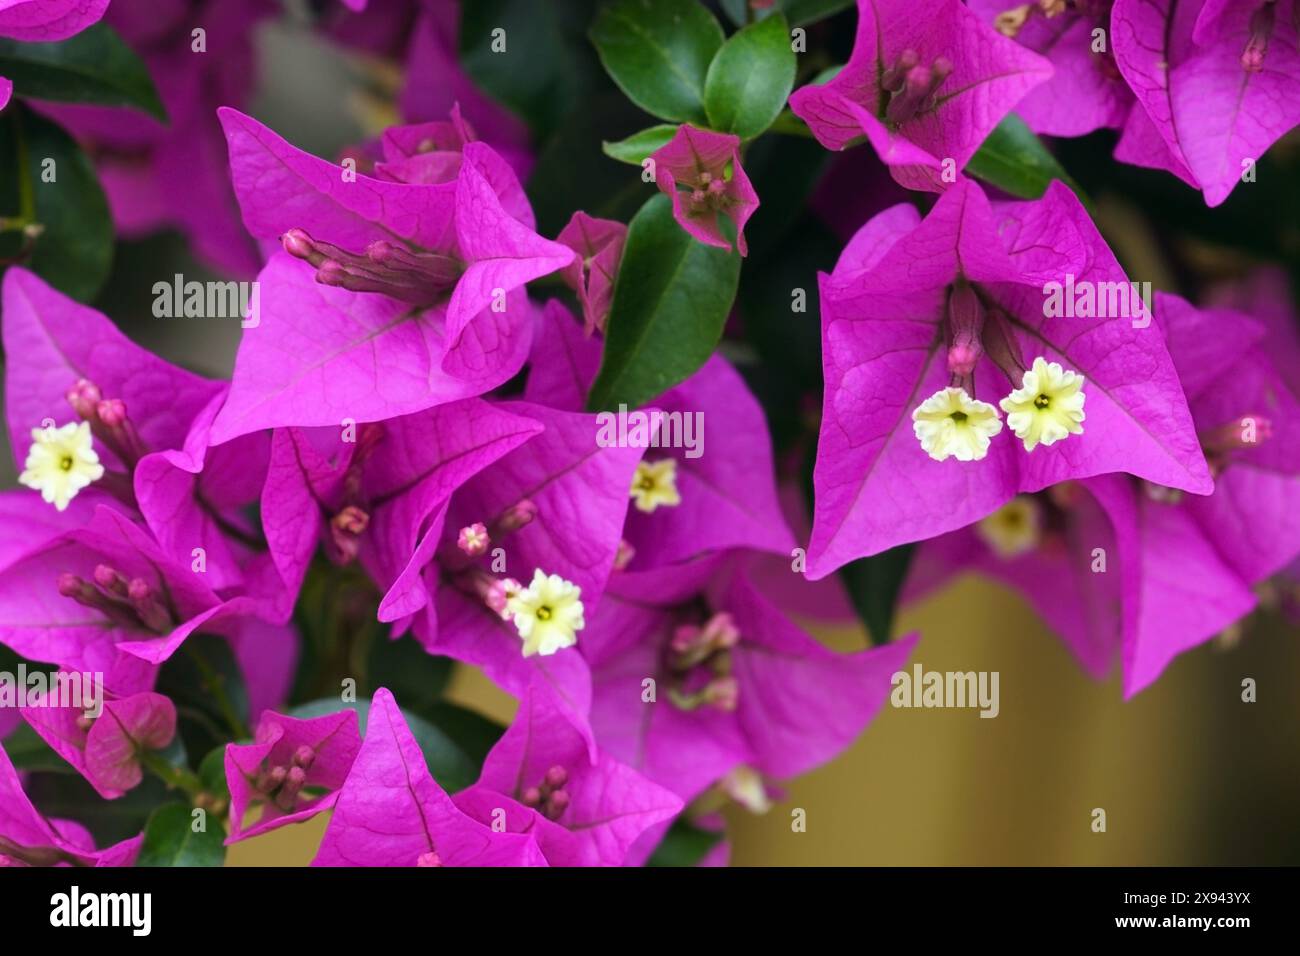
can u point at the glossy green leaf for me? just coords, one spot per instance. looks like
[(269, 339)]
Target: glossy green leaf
[(874, 584), (1016, 161), (170, 839), (750, 79), (95, 66), (638, 146), (671, 299), (54, 215), (658, 52)]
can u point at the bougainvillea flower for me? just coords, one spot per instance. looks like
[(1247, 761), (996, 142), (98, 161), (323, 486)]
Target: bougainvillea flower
[(106, 749), (45, 21), (553, 507), (130, 428), (369, 492), (1086, 91), (690, 665), (421, 279), (1092, 557), (142, 161), (700, 171), (923, 85), (105, 598), (599, 245), (722, 469), (1218, 84), (546, 776), (286, 768), (391, 812), (28, 838), (972, 298)]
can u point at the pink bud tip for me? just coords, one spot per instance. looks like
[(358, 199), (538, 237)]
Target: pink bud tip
[(429, 859), (139, 589), (296, 777), (474, 540), (624, 555), (112, 412), (70, 585), (962, 359), (276, 777), (297, 243), (556, 804), (331, 273), (556, 777), (531, 797), (519, 514), (304, 757)]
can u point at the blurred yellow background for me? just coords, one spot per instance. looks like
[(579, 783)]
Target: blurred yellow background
[(1186, 772)]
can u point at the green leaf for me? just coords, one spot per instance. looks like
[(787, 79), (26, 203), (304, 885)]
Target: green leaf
[(27, 750), (797, 12), (684, 845), (70, 242), (750, 78), (1017, 162), (873, 584), (671, 299), (67, 796), (658, 52), (170, 840), (638, 146), (416, 677), (451, 765), (473, 733), (94, 66), (212, 771)]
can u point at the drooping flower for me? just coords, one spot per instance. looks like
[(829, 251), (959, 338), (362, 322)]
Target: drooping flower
[(391, 812), (700, 171), (286, 766), (1048, 405), (1217, 84), (548, 777), (958, 300), (925, 85)]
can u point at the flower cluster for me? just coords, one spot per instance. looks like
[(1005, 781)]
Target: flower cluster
[(409, 468)]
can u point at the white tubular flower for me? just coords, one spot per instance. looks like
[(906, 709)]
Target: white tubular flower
[(1014, 529), (547, 614), (61, 462), (952, 424), (655, 485), (1047, 407)]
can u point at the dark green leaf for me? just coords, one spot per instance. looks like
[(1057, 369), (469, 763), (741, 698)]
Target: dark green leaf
[(170, 840), (671, 299), (658, 52), (473, 733), (1017, 162), (70, 245), (873, 584), (684, 845), (750, 79), (212, 771), (451, 766), (203, 679), (638, 146), (94, 66), (416, 677), (797, 12)]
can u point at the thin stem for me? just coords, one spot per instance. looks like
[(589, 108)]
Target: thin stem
[(177, 778)]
